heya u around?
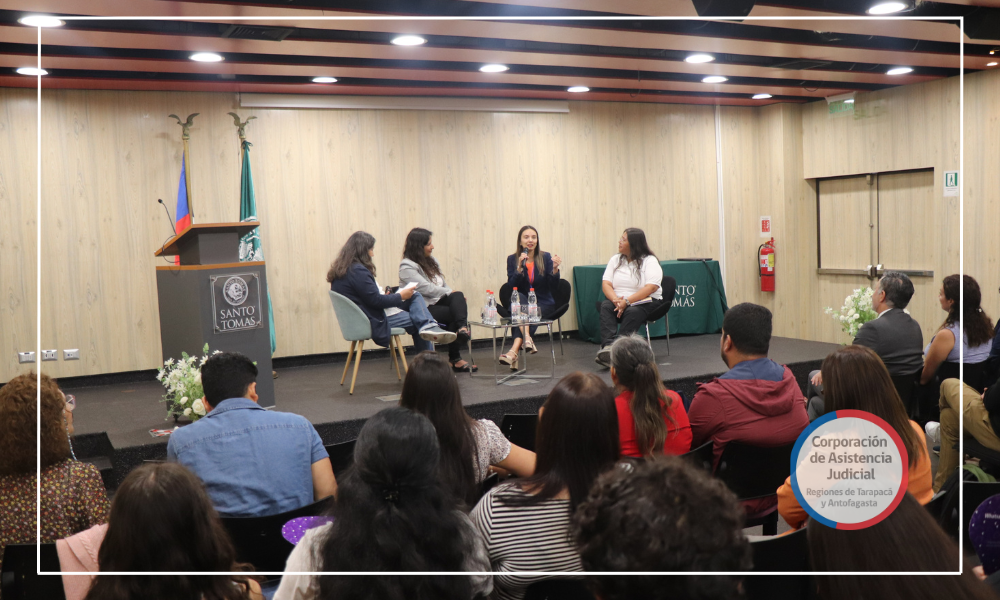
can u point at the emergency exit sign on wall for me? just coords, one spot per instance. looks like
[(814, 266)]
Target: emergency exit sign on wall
[(950, 183)]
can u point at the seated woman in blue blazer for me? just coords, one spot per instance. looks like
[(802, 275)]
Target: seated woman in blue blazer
[(528, 268), (352, 275)]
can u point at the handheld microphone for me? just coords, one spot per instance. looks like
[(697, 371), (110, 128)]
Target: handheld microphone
[(169, 218)]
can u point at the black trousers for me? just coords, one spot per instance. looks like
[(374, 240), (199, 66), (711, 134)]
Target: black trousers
[(631, 320), (452, 313)]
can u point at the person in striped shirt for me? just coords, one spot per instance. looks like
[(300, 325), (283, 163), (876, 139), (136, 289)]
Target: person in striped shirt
[(526, 523)]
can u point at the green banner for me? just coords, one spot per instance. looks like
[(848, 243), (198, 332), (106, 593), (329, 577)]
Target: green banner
[(250, 249)]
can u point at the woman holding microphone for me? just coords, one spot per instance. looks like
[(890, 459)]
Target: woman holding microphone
[(528, 268)]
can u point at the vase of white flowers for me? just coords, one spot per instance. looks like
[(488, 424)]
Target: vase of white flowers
[(182, 380), (856, 311)]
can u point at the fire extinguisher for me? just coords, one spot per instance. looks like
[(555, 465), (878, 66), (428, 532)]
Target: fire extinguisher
[(765, 261)]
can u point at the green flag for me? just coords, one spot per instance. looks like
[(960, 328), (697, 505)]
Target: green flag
[(250, 249)]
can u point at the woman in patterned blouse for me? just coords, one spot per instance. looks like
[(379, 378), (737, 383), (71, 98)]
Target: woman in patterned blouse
[(73, 495)]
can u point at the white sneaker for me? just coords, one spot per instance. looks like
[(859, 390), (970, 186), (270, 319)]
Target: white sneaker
[(933, 430), (438, 335)]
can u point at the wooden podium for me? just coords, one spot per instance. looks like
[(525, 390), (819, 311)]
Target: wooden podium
[(211, 297)]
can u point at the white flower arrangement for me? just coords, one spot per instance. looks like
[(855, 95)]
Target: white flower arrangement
[(182, 381), (856, 311)]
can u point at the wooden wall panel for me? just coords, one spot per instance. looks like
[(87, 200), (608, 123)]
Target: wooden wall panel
[(472, 178), (907, 239), (845, 223), (18, 228)]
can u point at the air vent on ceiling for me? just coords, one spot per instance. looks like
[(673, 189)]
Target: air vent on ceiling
[(257, 32), (801, 65)]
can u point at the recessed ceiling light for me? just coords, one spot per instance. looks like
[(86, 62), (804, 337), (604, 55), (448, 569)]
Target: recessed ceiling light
[(714, 79), (576, 89), (493, 68), (886, 8), (899, 71), (34, 71), (849, 101), (761, 96), (205, 57), (41, 21), (991, 64), (699, 58), (324, 80), (408, 40)]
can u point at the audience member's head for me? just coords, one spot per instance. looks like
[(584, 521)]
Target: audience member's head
[(664, 515), (357, 249), (228, 375), (162, 520), (907, 540), (855, 378), (897, 287), (576, 439), (393, 514), (978, 327), (746, 333), (431, 389), (633, 368), (18, 425)]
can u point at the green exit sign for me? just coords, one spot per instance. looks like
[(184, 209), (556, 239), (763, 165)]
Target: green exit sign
[(841, 106)]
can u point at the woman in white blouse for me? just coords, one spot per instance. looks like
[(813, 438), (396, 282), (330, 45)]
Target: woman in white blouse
[(631, 289)]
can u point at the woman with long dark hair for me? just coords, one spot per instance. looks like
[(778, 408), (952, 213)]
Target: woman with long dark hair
[(530, 268), (526, 523), (392, 514), (468, 447), (632, 290), (446, 305), (352, 274), (72, 493), (976, 334), (855, 378), (651, 418), (907, 540), (161, 520)]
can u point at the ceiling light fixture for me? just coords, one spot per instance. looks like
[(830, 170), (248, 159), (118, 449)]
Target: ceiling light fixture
[(33, 71), (761, 96), (699, 58), (493, 68), (205, 57), (408, 40), (887, 8), (899, 71), (991, 64), (714, 79), (849, 101), (41, 21), (576, 89), (324, 80)]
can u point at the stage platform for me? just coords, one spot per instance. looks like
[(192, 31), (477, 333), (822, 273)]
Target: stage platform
[(113, 421)]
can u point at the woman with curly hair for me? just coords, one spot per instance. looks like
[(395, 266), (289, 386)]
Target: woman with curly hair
[(73, 494), (392, 514), (161, 520)]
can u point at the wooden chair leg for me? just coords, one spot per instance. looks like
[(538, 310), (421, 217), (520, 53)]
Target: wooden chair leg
[(348, 365), (402, 355), (393, 340), (357, 361)]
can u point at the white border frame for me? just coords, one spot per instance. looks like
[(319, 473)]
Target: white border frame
[(38, 291)]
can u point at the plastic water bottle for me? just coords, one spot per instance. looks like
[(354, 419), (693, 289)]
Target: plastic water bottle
[(515, 308), (490, 309), (533, 315)]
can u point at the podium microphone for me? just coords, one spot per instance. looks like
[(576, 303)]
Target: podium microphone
[(169, 218)]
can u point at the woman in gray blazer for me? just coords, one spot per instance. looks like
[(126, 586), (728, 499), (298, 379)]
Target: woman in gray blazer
[(447, 306)]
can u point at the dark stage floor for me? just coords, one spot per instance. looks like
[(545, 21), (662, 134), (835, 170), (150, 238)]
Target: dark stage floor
[(115, 420)]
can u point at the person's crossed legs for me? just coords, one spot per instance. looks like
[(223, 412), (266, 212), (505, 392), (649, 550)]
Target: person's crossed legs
[(417, 320)]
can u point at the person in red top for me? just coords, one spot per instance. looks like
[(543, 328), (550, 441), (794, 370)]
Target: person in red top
[(651, 419), (757, 402)]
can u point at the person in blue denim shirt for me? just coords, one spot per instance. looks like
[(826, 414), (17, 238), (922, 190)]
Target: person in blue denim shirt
[(253, 462)]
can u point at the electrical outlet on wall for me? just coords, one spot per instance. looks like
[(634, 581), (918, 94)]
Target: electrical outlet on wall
[(50, 355), (73, 354), (25, 357)]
